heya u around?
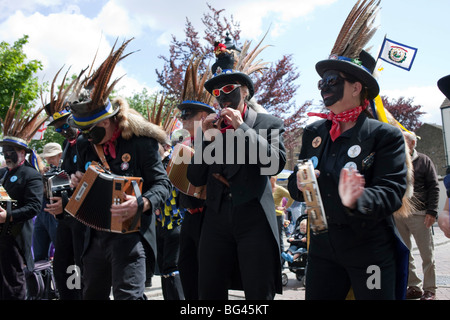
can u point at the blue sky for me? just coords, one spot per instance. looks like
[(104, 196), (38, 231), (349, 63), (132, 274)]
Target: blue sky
[(69, 33)]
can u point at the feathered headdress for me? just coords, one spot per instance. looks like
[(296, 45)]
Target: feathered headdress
[(19, 127), (236, 65), (194, 95), (58, 108), (92, 104), (166, 119), (347, 54)]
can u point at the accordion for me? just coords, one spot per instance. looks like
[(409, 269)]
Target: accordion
[(96, 192), (177, 172), (313, 200), (55, 183), (8, 204)]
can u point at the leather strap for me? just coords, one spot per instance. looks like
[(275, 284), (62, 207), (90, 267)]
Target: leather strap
[(101, 154), (140, 202)]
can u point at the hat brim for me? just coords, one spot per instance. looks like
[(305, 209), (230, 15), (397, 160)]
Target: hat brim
[(71, 121), (348, 67), (444, 86), (15, 145), (195, 106), (63, 117), (226, 78)]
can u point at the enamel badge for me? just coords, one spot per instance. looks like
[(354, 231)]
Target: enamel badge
[(354, 151), (317, 142)]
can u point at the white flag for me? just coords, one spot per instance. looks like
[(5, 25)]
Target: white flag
[(398, 54), (39, 135)]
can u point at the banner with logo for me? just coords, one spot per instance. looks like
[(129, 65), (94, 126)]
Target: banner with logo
[(398, 54)]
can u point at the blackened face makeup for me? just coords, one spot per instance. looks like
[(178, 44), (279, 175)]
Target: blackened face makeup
[(332, 87), (10, 155), (96, 134), (230, 100)]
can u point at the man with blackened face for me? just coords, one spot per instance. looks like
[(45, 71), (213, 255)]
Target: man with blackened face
[(13, 156), (238, 192)]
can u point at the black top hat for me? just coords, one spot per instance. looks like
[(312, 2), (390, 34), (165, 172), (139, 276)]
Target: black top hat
[(347, 54), (234, 65), (444, 86), (223, 69), (362, 69)]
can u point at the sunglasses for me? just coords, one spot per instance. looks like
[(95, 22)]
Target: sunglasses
[(64, 127), (333, 80), (225, 89)]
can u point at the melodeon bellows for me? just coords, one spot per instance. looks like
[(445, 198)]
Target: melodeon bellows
[(177, 171), (97, 191)]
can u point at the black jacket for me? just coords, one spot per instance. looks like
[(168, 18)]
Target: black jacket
[(381, 159), (248, 180), (136, 157), (24, 184)]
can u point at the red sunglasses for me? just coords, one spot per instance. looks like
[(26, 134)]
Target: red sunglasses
[(225, 89)]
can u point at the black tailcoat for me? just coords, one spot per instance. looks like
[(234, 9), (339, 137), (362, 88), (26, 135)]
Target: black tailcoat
[(246, 180)]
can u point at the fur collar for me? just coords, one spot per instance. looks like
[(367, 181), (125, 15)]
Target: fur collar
[(132, 123)]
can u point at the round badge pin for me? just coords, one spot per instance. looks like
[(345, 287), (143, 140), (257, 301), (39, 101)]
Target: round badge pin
[(354, 151), (13, 179), (124, 166), (351, 165), (126, 157), (87, 165), (317, 142), (75, 159), (315, 162)]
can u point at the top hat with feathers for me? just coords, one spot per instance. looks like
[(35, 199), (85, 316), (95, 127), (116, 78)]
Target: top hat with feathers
[(58, 108), (233, 65), (347, 54), (91, 103), (194, 96), (19, 127)]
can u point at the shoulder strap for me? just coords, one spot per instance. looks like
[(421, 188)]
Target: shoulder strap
[(101, 154)]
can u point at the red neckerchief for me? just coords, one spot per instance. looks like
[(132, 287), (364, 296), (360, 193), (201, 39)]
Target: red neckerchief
[(347, 116), (223, 130), (74, 141), (109, 147)]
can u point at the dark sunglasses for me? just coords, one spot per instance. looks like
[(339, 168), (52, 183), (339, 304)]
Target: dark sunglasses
[(334, 80), (225, 89), (64, 127)]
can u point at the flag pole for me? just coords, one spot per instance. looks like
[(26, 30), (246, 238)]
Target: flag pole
[(381, 50)]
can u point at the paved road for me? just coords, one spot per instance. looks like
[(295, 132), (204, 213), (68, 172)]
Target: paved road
[(295, 291)]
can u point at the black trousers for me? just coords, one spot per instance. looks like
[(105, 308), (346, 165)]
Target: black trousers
[(188, 259), (12, 275), (168, 249), (342, 259), (237, 236), (68, 249), (116, 260)]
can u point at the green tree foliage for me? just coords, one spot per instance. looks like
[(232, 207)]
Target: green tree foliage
[(17, 76)]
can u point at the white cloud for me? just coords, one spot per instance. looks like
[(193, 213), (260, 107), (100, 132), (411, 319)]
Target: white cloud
[(430, 98)]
